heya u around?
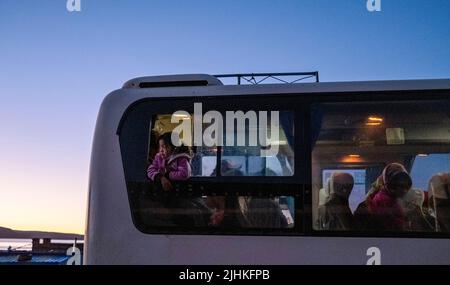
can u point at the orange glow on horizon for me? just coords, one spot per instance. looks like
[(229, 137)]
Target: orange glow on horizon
[(50, 228), (51, 199)]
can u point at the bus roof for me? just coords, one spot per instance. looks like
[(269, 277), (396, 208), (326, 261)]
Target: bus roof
[(203, 84)]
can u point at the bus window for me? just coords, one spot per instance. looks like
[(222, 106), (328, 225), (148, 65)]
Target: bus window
[(249, 160), (174, 185), (373, 165), (203, 159), (427, 173), (426, 165), (250, 212)]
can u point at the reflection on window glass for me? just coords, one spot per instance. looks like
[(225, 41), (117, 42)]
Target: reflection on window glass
[(226, 212), (381, 166), (202, 159), (170, 166), (249, 160)]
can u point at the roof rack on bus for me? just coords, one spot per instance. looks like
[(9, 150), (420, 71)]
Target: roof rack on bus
[(185, 80), (259, 78), (178, 80)]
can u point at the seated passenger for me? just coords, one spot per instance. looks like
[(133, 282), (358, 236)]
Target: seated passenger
[(382, 210), (379, 182), (416, 218), (439, 187), (336, 214), (170, 164)]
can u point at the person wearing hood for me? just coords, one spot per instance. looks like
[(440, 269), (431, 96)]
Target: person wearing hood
[(382, 209), (334, 209), (171, 163), (416, 217)]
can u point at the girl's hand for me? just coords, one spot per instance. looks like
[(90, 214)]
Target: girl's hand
[(167, 186)]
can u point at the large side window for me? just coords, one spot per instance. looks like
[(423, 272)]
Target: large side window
[(381, 166), (249, 159), (176, 184)]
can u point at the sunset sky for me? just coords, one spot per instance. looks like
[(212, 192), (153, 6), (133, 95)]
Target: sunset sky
[(56, 67)]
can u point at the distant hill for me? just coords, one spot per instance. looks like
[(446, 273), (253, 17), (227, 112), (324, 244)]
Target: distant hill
[(9, 233)]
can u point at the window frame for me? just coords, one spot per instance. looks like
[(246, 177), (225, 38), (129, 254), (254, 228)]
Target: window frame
[(367, 97), (223, 104), (303, 152)]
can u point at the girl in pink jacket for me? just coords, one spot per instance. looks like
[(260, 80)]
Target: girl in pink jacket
[(382, 209), (171, 163)]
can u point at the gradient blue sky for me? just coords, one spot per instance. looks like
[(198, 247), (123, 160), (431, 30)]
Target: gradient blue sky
[(56, 66)]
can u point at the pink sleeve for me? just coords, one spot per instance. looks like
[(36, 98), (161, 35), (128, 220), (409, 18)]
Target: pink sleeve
[(183, 171), (154, 168)]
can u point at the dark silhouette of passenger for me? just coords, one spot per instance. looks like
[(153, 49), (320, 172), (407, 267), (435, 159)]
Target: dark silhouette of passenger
[(244, 211), (225, 209), (264, 213), (335, 213)]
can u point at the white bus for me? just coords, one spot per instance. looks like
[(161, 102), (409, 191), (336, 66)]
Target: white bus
[(330, 195)]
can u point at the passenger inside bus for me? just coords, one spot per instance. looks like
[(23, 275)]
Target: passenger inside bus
[(170, 163), (439, 189), (170, 166), (382, 209), (365, 139), (335, 213), (417, 219), (391, 204)]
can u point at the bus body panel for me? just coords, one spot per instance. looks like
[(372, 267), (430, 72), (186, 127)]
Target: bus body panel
[(112, 238), (277, 250)]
